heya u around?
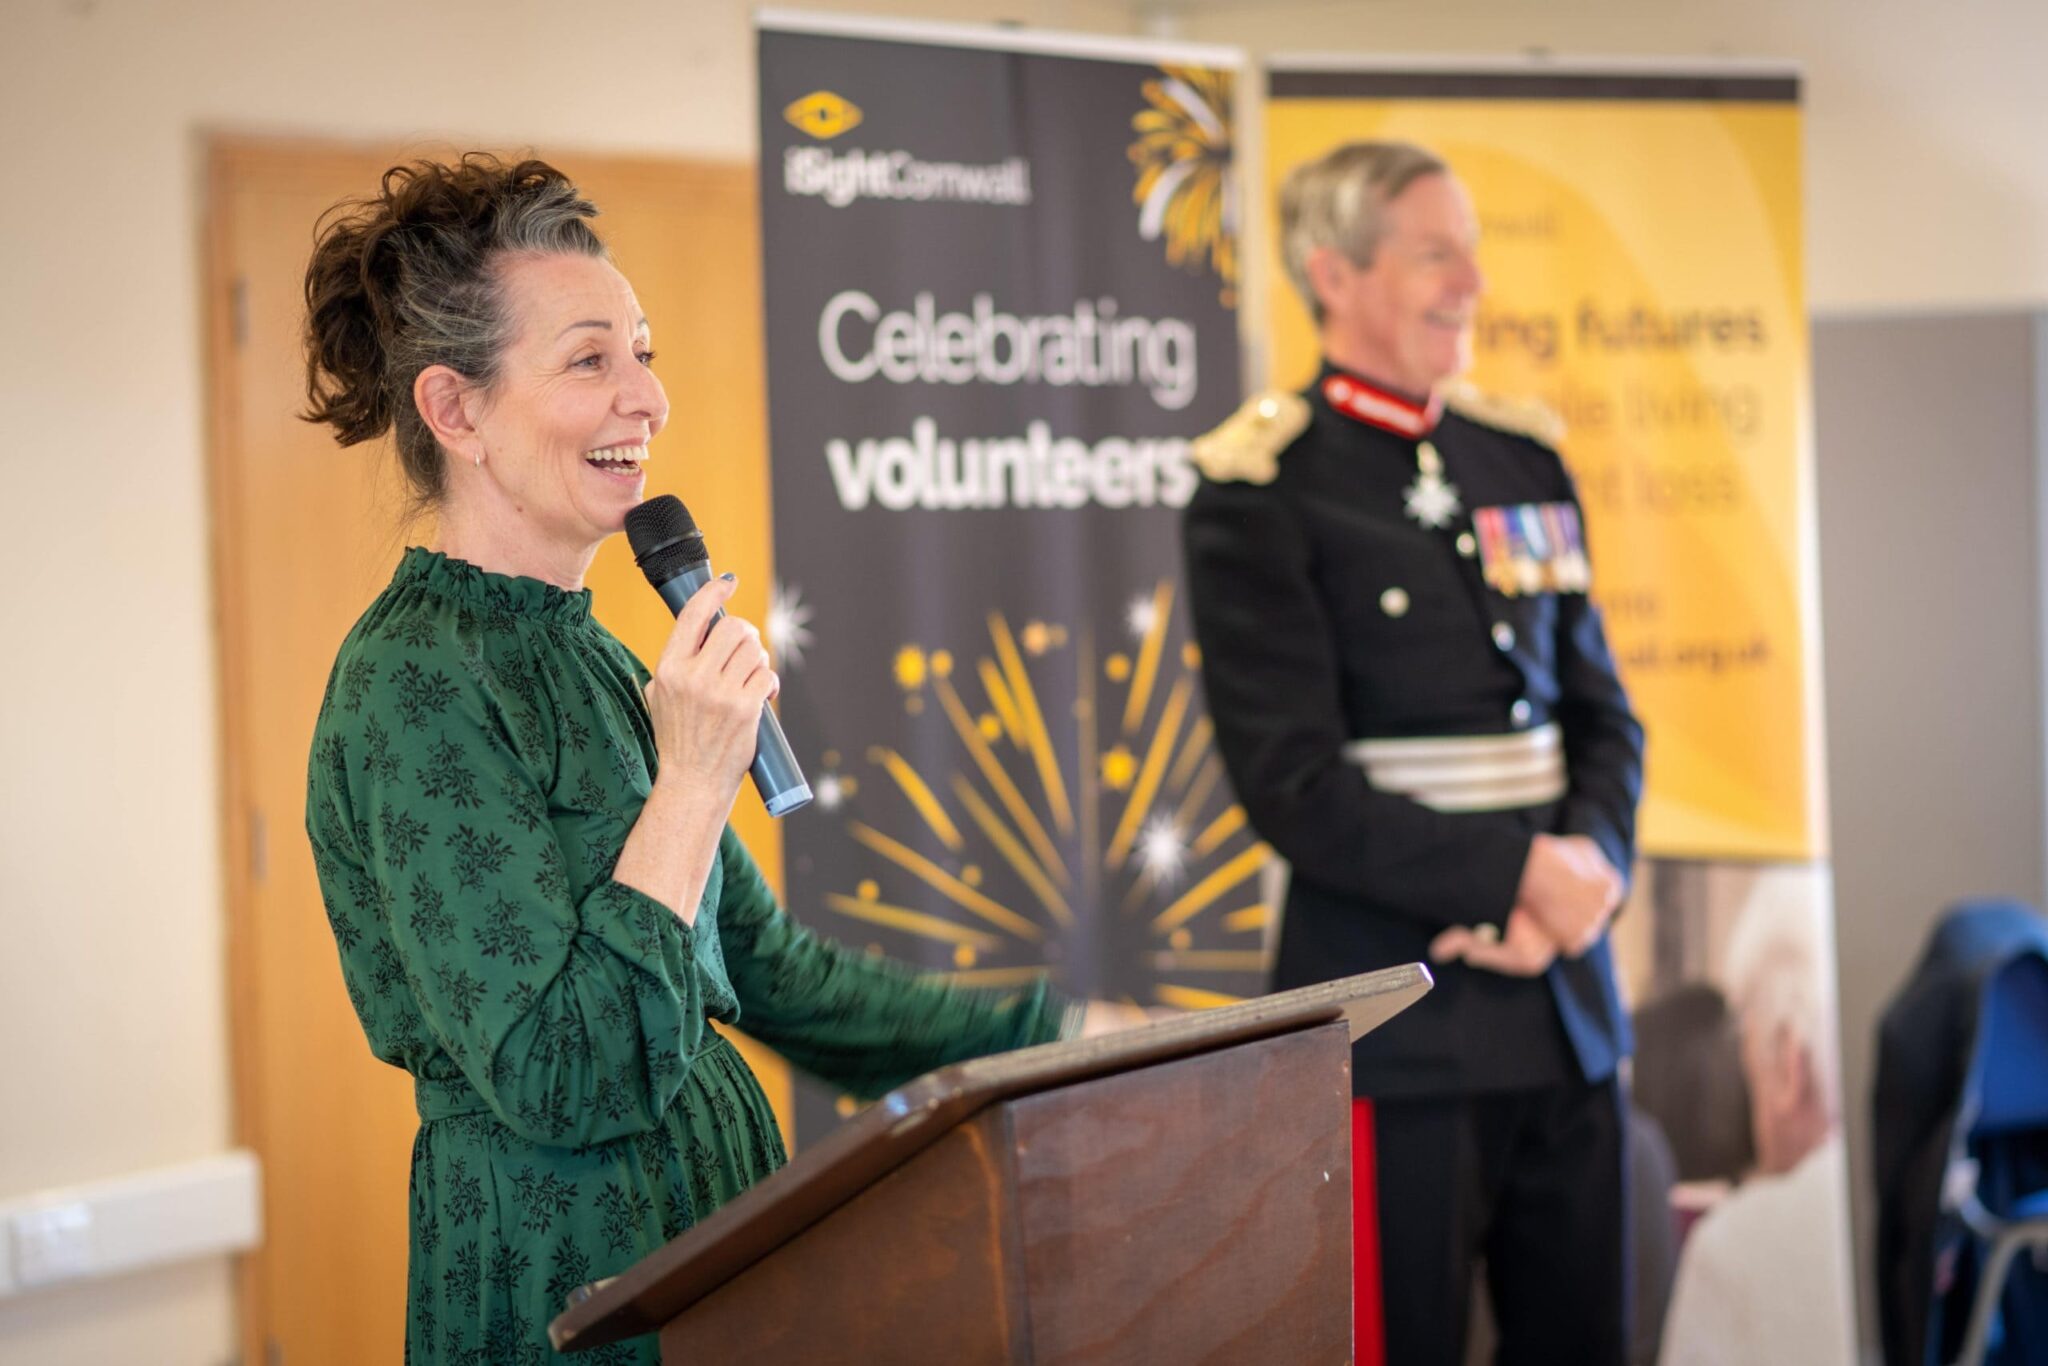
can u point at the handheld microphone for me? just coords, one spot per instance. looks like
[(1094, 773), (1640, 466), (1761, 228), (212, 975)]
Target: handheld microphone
[(670, 552)]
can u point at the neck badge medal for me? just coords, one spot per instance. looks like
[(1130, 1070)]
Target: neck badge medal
[(1432, 500)]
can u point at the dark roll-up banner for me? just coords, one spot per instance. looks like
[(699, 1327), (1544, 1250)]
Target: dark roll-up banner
[(1000, 285)]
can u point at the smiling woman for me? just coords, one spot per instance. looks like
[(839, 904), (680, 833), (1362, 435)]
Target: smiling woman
[(473, 311), (519, 830), (547, 460)]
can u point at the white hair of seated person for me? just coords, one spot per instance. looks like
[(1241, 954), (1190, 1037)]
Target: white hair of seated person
[(1779, 978)]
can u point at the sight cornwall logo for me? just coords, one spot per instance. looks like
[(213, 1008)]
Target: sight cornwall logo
[(823, 115)]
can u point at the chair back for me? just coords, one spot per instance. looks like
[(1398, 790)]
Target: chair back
[(2007, 1090)]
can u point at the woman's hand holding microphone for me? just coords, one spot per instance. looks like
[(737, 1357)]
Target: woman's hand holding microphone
[(704, 700), (707, 692)]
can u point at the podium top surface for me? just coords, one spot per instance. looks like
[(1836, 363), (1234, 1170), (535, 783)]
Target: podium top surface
[(884, 1135)]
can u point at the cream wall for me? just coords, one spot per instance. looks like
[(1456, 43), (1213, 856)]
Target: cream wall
[(1927, 183), (1927, 190)]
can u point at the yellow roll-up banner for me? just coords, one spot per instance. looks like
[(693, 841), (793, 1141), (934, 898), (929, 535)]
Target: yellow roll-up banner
[(1641, 243)]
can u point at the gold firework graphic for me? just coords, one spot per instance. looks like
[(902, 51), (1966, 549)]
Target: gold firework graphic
[(1007, 849), (1185, 193)]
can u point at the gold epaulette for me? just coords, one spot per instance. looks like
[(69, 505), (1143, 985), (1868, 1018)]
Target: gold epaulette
[(1522, 416), (1246, 447)]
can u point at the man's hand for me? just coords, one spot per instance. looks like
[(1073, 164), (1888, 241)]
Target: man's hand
[(1523, 951), (1570, 889)]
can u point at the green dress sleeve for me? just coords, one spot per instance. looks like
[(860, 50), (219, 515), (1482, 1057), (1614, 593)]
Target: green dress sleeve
[(572, 1016), (861, 1023)]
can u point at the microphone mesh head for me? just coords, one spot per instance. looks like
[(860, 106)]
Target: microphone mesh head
[(664, 538)]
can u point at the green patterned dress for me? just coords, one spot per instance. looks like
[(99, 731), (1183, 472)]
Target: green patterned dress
[(481, 754)]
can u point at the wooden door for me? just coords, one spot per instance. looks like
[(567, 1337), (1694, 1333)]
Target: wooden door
[(305, 534)]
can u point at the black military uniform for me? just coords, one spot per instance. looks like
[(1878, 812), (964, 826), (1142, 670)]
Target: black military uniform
[(1415, 575)]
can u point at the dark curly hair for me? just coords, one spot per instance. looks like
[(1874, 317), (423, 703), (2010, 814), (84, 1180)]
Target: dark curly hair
[(409, 278), (1688, 1077)]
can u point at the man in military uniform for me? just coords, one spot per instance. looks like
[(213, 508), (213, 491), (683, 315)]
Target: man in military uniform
[(1416, 703)]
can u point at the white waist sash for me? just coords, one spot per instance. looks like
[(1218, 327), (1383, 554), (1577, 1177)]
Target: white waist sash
[(1468, 772)]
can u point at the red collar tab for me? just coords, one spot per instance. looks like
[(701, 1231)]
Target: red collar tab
[(1353, 397)]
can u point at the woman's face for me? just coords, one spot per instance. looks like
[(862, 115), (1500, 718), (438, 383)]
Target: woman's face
[(565, 428)]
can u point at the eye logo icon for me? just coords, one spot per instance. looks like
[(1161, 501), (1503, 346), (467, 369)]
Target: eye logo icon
[(823, 114)]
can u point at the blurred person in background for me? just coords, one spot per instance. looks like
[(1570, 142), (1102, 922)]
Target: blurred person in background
[(1764, 1275), (1688, 1076), (1689, 1138), (1416, 703)]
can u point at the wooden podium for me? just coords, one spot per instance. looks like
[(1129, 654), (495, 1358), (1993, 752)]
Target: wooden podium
[(1176, 1193)]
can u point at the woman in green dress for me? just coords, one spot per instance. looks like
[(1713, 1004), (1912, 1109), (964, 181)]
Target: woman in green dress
[(520, 832)]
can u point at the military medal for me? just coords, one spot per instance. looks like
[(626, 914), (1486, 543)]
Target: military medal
[(1493, 550), (1575, 572), (1537, 560), (1432, 499), (1532, 548), (1526, 560)]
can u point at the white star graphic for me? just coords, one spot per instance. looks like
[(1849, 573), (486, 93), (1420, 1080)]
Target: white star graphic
[(1433, 502), (788, 625), (1142, 615), (1161, 851)]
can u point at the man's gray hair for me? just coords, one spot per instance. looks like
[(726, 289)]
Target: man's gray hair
[(1339, 201)]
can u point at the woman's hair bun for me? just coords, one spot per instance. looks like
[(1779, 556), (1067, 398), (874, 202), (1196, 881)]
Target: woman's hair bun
[(406, 278)]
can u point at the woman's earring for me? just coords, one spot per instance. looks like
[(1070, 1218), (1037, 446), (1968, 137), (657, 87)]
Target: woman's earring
[(479, 457)]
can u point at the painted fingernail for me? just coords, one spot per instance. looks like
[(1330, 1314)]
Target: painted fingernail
[(730, 577)]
